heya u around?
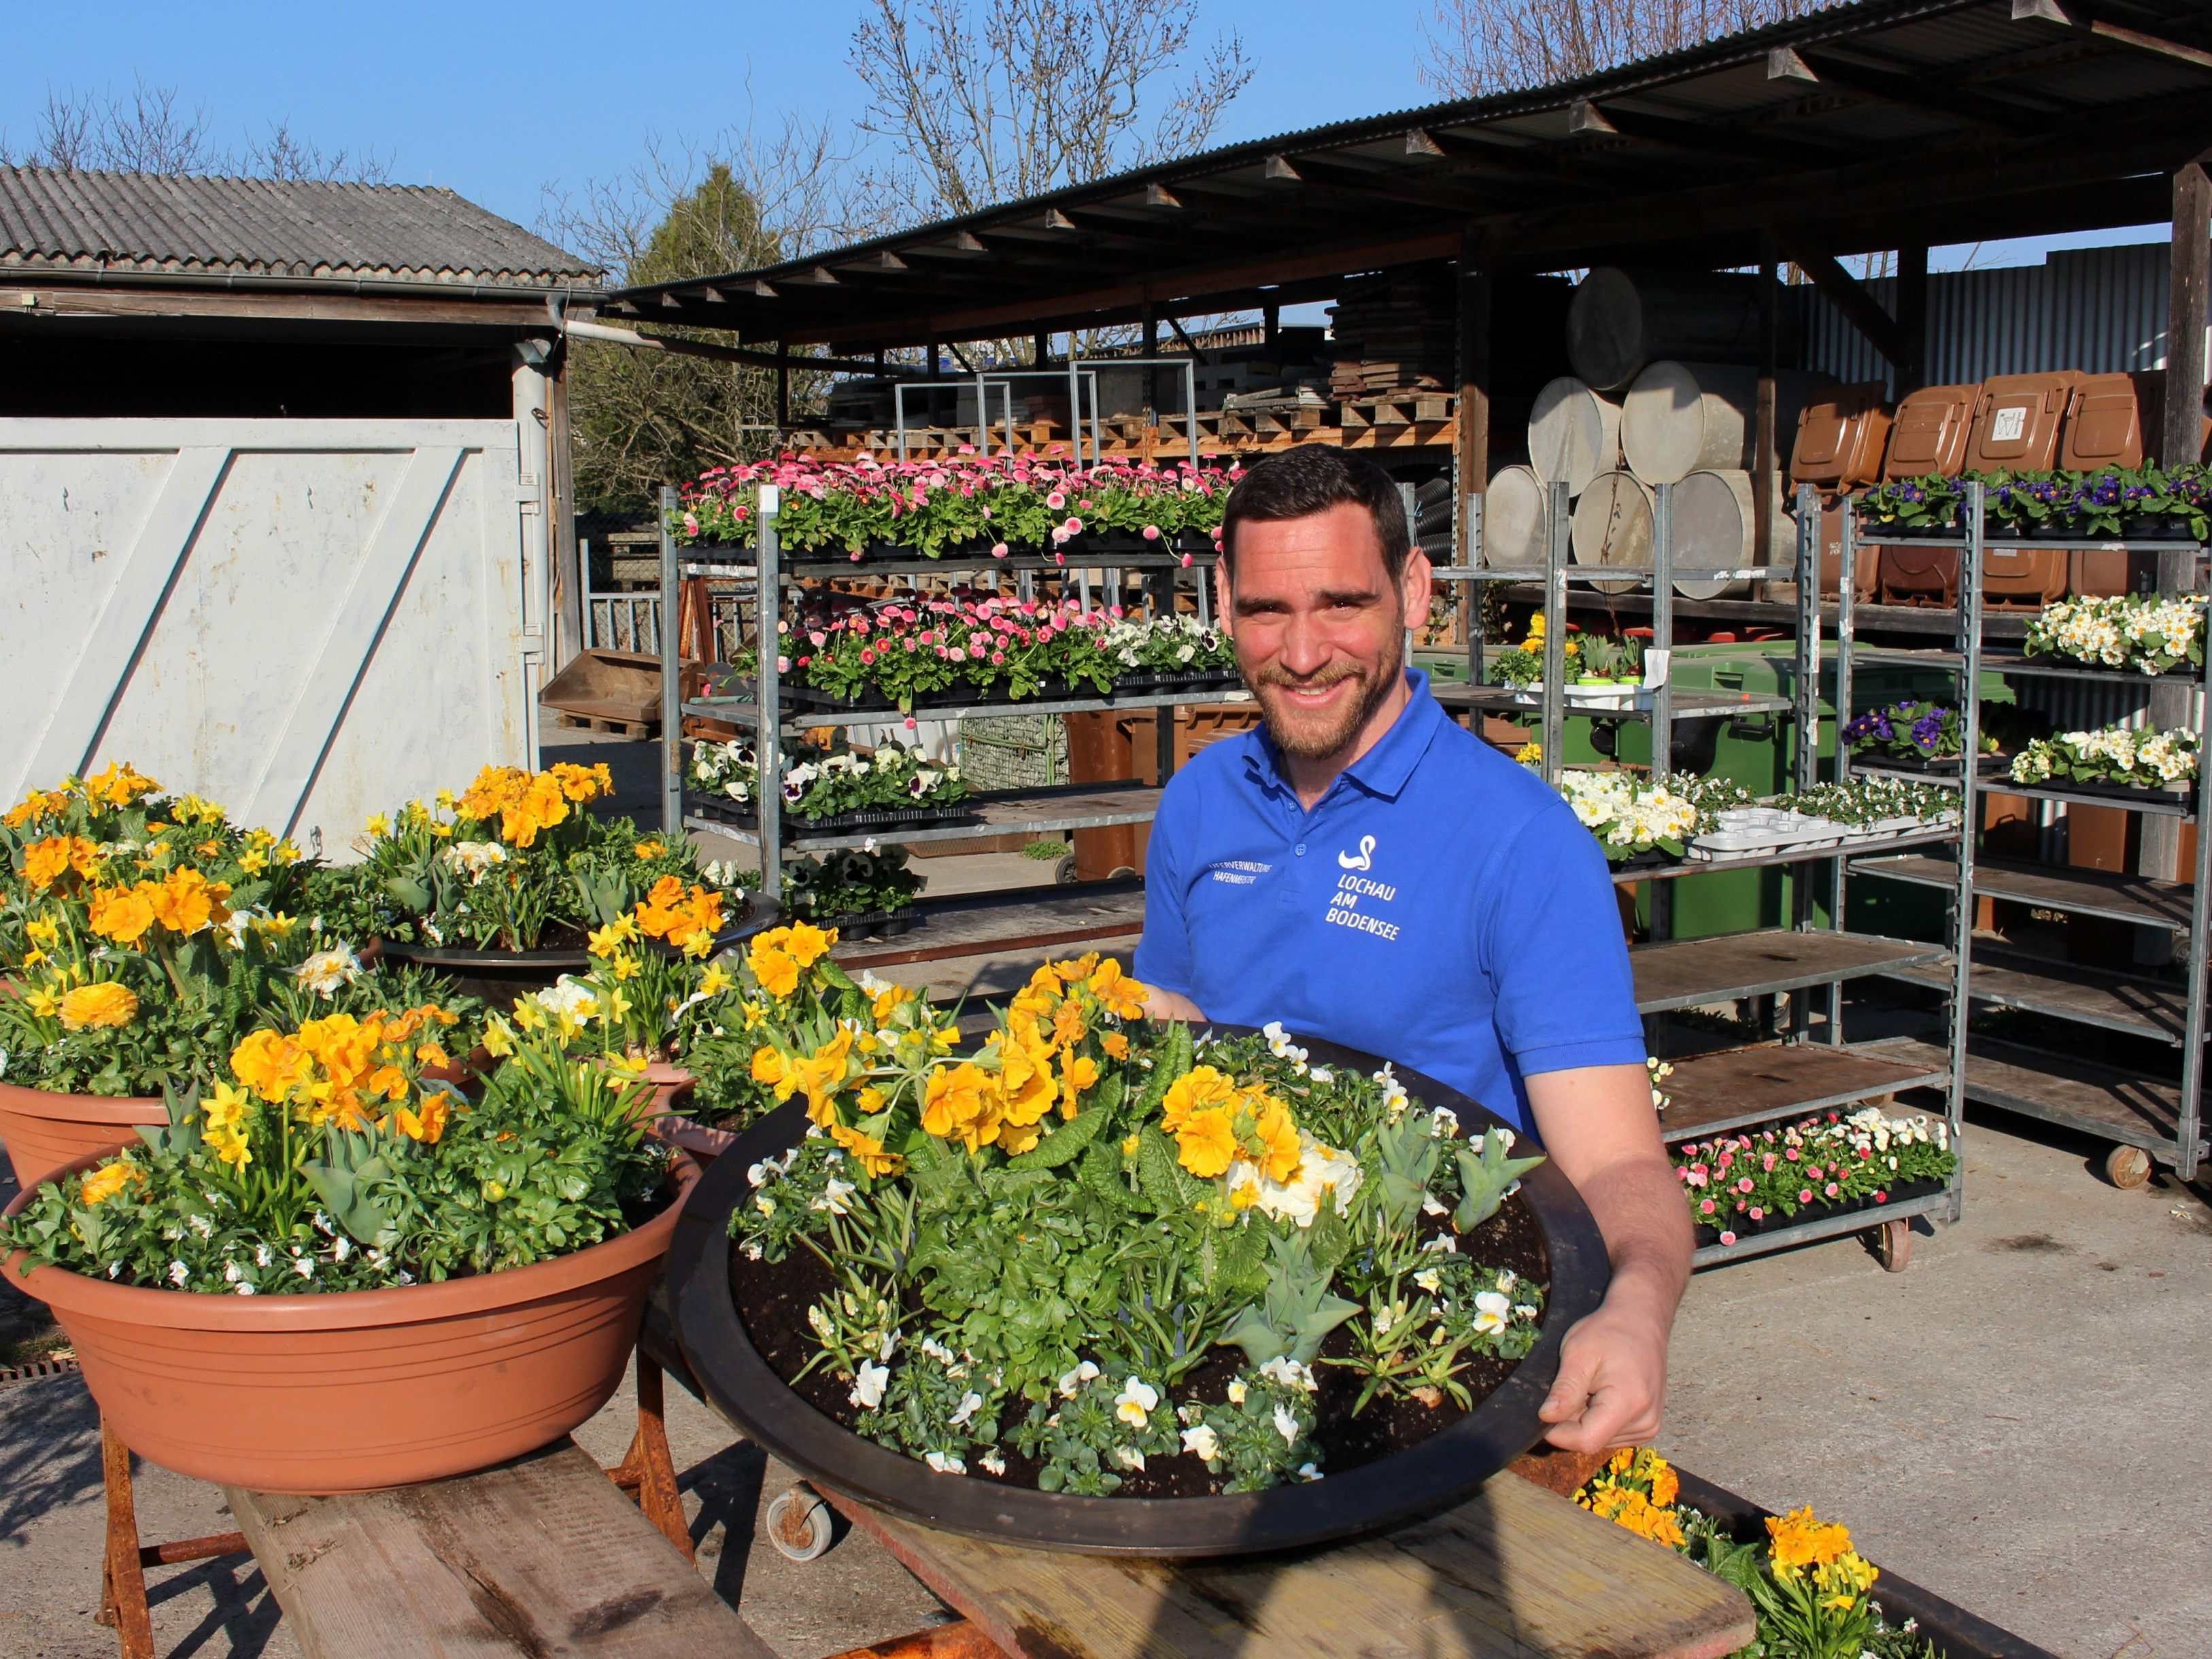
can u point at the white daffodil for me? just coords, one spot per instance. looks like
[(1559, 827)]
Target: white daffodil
[(1134, 1405)]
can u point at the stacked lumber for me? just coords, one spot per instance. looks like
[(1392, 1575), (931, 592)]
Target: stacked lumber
[(1392, 333)]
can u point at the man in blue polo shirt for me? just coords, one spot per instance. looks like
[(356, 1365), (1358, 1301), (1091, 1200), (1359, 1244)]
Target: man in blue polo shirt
[(1364, 870)]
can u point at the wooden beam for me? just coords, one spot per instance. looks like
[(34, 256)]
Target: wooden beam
[(1711, 138), (1912, 316), (2079, 17), (2189, 285), (1189, 344), (1860, 308), (1158, 196), (1946, 102), (1332, 178)]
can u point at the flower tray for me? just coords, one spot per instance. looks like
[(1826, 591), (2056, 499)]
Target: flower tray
[(1945, 766), (856, 924), (2179, 671), (724, 811), (1090, 548), (1651, 858), (2167, 791), (1200, 679), (1744, 1227), (952, 696), (705, 1285)]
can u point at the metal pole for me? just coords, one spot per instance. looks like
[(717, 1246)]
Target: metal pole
[(1552, 721), (1472, 591), (1969, 727), (1663, 632), (672, 677), (2188, 1140), (982, 415), (768, 688), (1074, 406), (1805, 713), (1190, 405)]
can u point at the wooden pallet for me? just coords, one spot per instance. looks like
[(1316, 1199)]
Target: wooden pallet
[(619, 728), (1401, 409)]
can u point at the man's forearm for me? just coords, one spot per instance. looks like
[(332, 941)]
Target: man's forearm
[(1637, 1205)]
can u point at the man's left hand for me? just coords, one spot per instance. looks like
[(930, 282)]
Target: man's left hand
[(1611, 1386)]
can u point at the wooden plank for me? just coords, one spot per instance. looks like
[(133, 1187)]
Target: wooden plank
[(539, 1556), (2065, 991), (1685, 973), (1515, 1570), (2099, 1100), (1712, 1092), (2083, 892)]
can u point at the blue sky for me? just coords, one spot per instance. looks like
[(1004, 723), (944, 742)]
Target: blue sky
[(497, 101)]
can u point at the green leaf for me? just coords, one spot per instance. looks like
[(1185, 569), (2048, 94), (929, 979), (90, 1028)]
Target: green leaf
[(1064, 1143), (1171, 1190)]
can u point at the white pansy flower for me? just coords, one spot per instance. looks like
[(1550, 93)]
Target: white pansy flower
[(1288, 1373), (868, 1385), (971, 1403), (944, 1463), (1493, 1312), (1286, 1425), (1075, 1379), (1202, 1443), (1134, 1405)]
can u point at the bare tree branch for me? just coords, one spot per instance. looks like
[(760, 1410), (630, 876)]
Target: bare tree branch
[(1032, 94), (149, 131), (1476, 46)]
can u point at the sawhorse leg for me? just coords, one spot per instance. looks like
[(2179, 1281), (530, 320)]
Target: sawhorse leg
[(123, 1566), (647, 1473)]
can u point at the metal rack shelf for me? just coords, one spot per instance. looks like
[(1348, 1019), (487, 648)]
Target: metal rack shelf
[(1036, 812), (1936, 836), (1686, 704), (1711, 1094), (1728, 967), (2057, 990), (2111, 1101), (2137, 899), (1085, 558), (1944, 1203), (744, 711)]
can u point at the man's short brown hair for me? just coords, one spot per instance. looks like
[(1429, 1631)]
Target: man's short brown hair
[(1312, 478)]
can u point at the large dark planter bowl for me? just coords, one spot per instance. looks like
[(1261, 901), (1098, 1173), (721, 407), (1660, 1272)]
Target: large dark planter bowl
[(1440, 1472), (500, 977)]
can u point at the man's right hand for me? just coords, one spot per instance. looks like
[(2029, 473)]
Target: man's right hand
[(1171, 1004)]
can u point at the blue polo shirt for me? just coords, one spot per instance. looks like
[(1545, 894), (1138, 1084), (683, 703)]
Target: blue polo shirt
[(1440, 905)]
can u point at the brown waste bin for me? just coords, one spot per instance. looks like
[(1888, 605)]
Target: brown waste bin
[(1841, 435), (2017, 421), (1866, 561), (1920, 575), (1930, 432), (1109, 745), (2108, 419)]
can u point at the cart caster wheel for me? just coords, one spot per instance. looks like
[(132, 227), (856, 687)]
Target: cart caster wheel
[(800, 1524), (1063, 873), (2127, 1167), (1894, 1244)]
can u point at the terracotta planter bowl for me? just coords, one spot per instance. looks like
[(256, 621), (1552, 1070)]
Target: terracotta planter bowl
[(359, 1390), (44, 1130), (670, 1083)]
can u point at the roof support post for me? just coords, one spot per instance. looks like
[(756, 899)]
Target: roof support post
[(1271, 330), (1766, 480), (1152, 325), (2189, 280), (783, 387), (1912, 316), (1470, 456)]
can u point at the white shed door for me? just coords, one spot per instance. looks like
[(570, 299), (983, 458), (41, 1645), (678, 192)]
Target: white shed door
[(308, 620)]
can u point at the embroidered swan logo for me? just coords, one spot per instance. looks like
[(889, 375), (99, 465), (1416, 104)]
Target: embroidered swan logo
[(1363, 860)]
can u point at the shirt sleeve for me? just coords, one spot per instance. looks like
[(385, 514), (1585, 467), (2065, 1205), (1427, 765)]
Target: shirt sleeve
[(1566, 997), (1163, 954)]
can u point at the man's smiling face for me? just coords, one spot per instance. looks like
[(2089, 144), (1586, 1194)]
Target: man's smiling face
[(1319, 624)]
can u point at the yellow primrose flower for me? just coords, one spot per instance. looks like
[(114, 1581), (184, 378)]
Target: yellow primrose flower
[(647, 849), (106, 1181)]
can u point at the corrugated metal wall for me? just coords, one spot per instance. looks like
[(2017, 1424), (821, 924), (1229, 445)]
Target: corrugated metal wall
[(2098, 310)]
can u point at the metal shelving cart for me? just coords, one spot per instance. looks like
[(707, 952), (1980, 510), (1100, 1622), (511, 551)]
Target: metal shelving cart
[(1809, 1070), (2145, 1118), (1051, 811)]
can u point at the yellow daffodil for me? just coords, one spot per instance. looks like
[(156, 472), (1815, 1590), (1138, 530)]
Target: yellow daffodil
[(715, 980)]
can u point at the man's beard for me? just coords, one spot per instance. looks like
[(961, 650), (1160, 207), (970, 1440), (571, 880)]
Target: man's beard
[(1318, 742)]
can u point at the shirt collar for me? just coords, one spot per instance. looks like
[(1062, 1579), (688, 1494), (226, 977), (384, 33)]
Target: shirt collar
[(1384, 770)]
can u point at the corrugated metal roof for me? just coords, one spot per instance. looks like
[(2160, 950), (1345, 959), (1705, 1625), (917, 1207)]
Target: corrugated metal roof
[(55, 221), (1851, 127)]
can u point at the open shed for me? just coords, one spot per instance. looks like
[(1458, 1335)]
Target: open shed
[(345, 404)]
